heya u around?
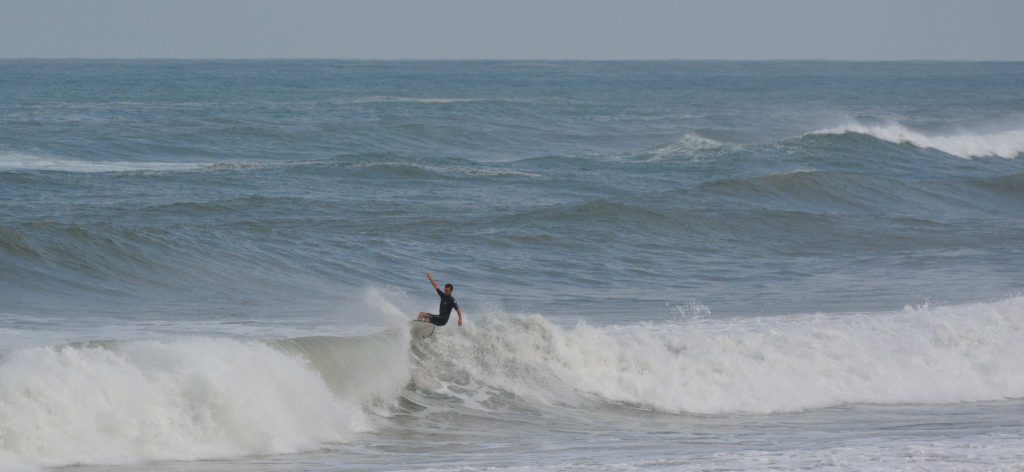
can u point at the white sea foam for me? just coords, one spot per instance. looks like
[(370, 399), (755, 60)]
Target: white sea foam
[(918, 355), (185, 399), (960, 454), (691, 145), (1007, 143), (19, 161)]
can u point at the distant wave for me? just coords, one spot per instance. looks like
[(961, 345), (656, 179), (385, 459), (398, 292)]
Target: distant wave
[(1007, 144), (822, 191)]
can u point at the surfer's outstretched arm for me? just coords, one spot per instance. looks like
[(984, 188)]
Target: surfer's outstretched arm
[(431, 279), (459, 311)]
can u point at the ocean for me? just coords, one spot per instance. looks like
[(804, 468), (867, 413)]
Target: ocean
[(669, 265)]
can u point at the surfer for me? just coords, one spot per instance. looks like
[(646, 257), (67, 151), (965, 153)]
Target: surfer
[(447, 303)]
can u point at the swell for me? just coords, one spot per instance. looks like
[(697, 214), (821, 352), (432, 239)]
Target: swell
[(232, 209), (118, 260), (211, 242), (1007, 185), (98, 250), (860, 192), (808, 189), (835, 211)]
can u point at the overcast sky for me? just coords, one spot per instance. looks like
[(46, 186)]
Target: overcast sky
[(515, 29)]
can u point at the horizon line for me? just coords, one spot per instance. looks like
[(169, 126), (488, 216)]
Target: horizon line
[(484, 59)]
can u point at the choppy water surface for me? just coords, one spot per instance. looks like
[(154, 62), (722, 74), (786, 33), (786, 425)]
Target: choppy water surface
[(665, 265)]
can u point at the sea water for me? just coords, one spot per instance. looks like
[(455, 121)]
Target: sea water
[(212, 265)]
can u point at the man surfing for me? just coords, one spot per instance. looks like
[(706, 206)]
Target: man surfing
[(445, 310)]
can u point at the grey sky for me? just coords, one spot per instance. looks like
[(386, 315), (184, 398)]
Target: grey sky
[(513, 29)]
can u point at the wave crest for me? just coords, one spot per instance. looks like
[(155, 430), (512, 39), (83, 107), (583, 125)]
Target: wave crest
[(1006, 144)]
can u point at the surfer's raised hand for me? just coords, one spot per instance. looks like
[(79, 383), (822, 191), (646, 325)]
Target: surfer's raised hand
[(431, 279)]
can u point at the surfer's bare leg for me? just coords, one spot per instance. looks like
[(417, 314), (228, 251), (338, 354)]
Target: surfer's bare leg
[(423, 316)]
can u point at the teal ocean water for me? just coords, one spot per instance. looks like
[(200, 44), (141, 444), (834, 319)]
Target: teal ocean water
[(210, 265)]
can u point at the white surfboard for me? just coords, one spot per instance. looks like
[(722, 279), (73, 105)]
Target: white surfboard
[(422, 329)]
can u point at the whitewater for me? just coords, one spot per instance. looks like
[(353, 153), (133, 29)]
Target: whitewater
[(669, 265), (202, 398)]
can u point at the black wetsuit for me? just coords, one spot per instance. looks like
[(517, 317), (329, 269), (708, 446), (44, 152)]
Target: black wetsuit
[(445, 310)]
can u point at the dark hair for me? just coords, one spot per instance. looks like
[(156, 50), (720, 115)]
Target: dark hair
[(449, 286)]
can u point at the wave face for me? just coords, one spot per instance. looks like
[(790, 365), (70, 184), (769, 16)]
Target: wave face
[(1007, 144)]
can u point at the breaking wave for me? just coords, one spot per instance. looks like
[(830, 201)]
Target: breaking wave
[(1006, 144), (108, 402), (764, 365)]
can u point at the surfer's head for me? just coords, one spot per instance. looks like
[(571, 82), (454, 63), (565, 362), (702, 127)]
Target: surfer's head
[(448, 289)]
